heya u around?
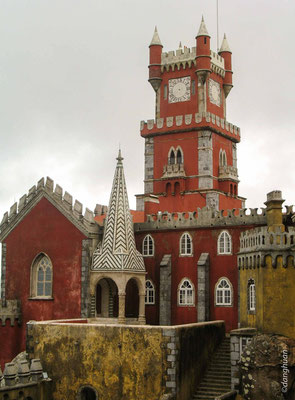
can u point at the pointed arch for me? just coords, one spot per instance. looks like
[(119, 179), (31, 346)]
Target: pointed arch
[(186, 245), (220, 158), (223, 292), (179, 155), (171, 156), (41, 277), (224, 159), (186, 293), (148, 246), (224, 243), (149, 292), (251, 296)]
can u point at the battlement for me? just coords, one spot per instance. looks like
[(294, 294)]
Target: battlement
[(205, 217), (10, 310), (198, 120), (64, 202), (258, 243), (186, 57)]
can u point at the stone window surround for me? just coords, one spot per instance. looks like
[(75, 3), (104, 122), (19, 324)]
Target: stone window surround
[(33, 278), (150, 289), (186, 253), (79, 394), (231, 293), (251, 296), (227, 236), (147, 253), (174, 151), (193, 293)]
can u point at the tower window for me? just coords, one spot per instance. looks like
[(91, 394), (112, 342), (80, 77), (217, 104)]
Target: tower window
[(251, 296), (205, 40), (224, 244), (186, 245), (41, 277), (171, 156), (186, 293), (223, 293), (148, 246), (179, 157), (149, 292), (193, 87)]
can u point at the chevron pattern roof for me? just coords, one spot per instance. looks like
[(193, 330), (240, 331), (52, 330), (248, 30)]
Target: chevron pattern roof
[(117, 251)]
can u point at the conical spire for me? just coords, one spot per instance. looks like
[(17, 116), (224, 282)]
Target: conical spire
[(203, 30), (118, 250), (224, 45), (156, 38)]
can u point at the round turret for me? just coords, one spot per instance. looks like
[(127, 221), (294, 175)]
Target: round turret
[(226, 54), (203, 57), (156, 46)]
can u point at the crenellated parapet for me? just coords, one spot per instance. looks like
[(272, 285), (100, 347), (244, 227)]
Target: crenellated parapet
[(203, 217), (62, 200), (10, 310), (186, 57), (258, 243), (190, 121)]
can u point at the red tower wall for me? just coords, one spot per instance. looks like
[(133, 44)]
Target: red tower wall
[(43, 230)]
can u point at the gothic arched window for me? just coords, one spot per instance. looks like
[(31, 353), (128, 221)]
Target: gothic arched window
[(149, 292), (186, 293), (171, 156), (41, 277), (179, 156), (186, 245), (223, 292), (224, 245), (148, 246)]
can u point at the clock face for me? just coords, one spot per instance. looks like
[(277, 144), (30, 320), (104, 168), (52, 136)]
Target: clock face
[(214, 92), (179, 89)]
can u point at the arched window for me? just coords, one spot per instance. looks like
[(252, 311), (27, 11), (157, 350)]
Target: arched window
[(149, 292), (179, 156), (186, 293), (251, 296), (186, 245), (220, 158), (223, 292), (41, 277), (148, 246), (224, 245), (171, 156), (224, 161)]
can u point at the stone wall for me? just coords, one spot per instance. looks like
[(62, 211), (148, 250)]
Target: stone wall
[(124, 362)]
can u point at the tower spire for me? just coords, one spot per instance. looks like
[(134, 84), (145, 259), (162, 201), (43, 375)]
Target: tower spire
[(156, 39), (224, 45), (118, 251), (203, 30)]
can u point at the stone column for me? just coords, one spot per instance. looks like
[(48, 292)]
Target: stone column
[(203, 287), (165, 290), (141, 314), (121, 316)]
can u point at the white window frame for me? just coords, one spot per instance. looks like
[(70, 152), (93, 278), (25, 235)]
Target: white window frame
[(223, 291), (252, 296), (186, 293), (36, 265), (185, 238), (148, 246), (149, 292), (225, 241)]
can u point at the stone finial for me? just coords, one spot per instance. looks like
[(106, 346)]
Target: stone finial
[(24, 371), (22, 202), (78, 208), (203, 30), (68, 200), (10, 372), (58, 191), (36, 369), (224, 45), (32, 193), (13, 211), (274, 214), (156, 39), (40, 184)]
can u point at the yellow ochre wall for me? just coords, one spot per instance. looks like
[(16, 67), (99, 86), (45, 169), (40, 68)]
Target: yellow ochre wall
[(123, 362), (275, 298)]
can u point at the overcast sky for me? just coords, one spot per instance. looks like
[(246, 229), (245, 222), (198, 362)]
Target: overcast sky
[(73, 85)]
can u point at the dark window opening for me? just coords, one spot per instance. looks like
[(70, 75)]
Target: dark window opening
[(88, 393), (179, 157), (205, 40)]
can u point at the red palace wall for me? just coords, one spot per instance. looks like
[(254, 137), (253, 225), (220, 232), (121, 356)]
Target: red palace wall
[(204, 241), (43, 230)]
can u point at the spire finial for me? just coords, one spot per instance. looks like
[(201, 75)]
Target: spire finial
[(224, 45), (156, 38), (119, 158), (180, 45), (203, 30)]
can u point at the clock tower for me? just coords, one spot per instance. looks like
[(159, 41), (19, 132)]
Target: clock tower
[(190, 147)]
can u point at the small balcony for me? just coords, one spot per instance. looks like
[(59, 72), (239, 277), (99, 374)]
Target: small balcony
[(173, 171), (228, 172)]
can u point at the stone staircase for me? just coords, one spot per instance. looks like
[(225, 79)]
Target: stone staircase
[(217, 378)]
